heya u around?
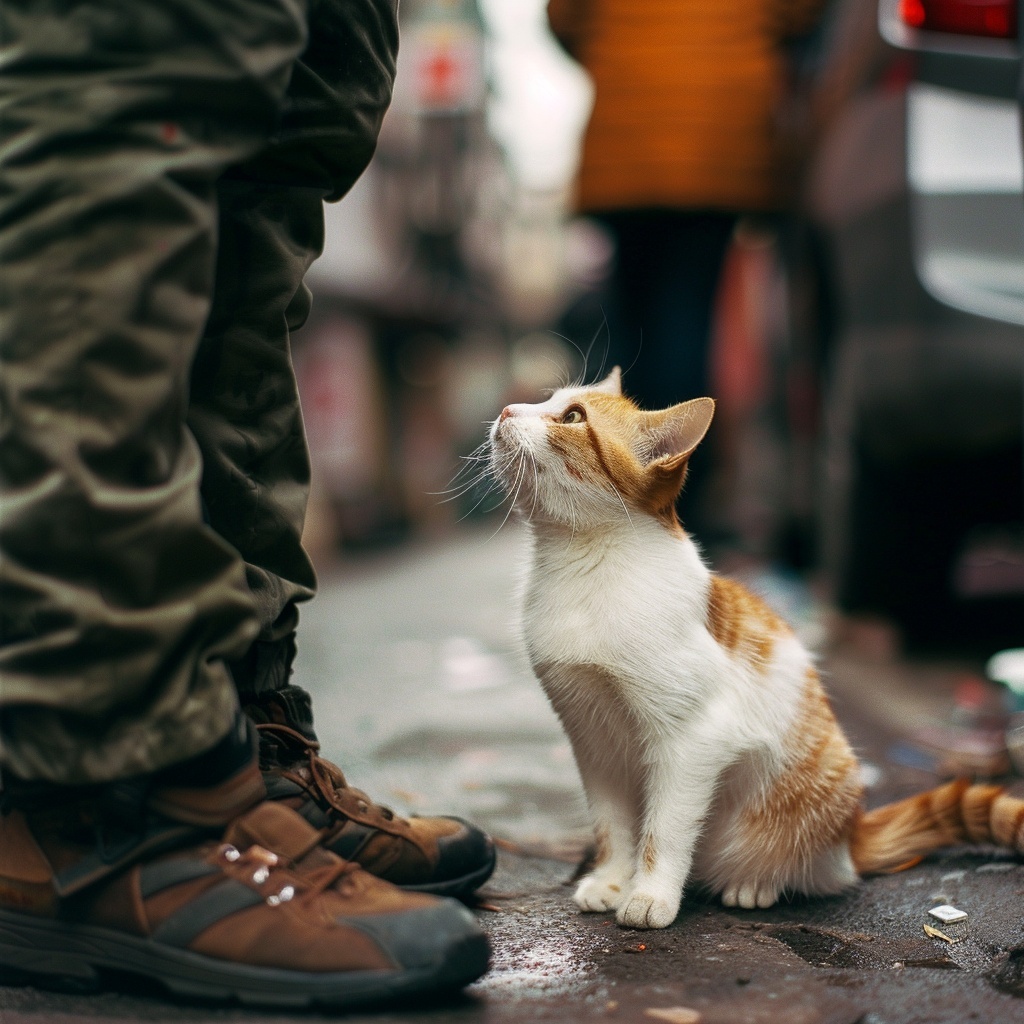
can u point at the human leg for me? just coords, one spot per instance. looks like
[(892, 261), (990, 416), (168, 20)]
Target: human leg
[(667, 268), (121, 764), (664, 285), (244, 406), (120, 604), (245, 415)]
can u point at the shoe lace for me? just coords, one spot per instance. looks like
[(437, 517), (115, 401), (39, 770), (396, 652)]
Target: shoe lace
[(327, 779)]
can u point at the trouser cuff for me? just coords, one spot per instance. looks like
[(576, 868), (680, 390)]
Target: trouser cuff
[(265, 668)]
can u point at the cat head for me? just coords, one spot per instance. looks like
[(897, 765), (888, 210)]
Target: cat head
[(589, 456)]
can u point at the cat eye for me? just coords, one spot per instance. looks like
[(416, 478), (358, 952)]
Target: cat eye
[(575, 414)]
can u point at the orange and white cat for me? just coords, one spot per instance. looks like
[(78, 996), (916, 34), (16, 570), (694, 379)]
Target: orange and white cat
[(707, 748)]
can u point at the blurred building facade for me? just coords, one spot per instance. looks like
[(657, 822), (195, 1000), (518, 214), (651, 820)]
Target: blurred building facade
[(444, 268)]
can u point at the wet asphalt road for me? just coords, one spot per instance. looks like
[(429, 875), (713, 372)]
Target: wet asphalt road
[(423, 696)]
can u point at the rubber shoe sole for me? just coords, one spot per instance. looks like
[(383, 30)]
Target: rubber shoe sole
[(87, 958)]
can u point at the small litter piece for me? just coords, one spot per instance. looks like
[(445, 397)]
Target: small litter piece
[(954, 922), (674, 1014), (934, 933), (947, 914)]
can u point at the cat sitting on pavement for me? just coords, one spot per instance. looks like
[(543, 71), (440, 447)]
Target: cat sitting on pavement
[(706, 745)]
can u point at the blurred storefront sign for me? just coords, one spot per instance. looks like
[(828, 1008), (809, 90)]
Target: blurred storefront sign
[(447, 66)]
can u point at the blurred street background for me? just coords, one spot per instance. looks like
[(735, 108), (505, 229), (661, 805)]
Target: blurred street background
[(866, 347)]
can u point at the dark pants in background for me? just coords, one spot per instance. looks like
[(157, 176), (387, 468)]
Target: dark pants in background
[(660, 315)]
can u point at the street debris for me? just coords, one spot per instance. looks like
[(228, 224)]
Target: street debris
[(674, 1014), (934, 933), (947, 914), (958, 750), (408, 796), (953, 919), (567, 851), (870, 774)]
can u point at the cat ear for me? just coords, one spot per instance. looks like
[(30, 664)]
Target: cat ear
[(612, 384), (675, 432)]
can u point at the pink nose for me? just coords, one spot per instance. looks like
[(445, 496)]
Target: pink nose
[(505, 413)]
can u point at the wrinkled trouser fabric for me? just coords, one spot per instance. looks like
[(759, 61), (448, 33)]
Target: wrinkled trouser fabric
[(162, 172)]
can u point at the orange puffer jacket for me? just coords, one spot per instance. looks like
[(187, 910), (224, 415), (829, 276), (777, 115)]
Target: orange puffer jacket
[(687, 95)]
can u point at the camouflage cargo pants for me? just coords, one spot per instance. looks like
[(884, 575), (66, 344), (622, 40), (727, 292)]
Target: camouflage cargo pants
[(162, 172)]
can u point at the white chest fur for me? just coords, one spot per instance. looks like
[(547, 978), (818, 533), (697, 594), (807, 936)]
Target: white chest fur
[(631, 600), (633, 603)]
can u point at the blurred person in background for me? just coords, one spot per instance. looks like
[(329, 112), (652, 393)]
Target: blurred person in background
[(682, 140), (163, 171)]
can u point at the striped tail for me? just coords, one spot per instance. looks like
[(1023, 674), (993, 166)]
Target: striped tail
[(899, 835)]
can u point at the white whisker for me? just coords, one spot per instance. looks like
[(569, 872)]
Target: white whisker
[(623, 504), (520, 476)]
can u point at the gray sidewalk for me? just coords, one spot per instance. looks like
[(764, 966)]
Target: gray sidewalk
[(422, 693), (423, 696)]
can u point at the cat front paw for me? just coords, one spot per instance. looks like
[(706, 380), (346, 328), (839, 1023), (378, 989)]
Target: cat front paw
[(750, 895), (644, 909), (595, 894)]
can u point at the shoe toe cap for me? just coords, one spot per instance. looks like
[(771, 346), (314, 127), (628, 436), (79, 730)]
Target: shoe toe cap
[(444, 938), (466, 852)]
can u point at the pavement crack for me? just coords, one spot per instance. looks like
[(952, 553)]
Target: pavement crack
[(822, 947)]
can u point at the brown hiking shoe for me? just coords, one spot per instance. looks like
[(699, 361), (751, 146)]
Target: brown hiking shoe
[(262, 914), (441, 855)]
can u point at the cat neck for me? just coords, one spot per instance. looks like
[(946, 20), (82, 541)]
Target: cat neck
[(638, 540)]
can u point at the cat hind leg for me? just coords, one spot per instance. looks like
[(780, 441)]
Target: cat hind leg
[(751, 895)]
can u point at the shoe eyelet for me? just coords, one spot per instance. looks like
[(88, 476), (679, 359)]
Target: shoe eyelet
[(276, 899)]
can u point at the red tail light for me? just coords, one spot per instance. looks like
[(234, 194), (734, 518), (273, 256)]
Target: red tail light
[(996, 19)]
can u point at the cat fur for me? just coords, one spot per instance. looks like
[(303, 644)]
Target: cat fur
[(705, 742)]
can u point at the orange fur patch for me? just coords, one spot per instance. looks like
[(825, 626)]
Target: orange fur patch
[(650, 854), (815, 800), (742, 623)]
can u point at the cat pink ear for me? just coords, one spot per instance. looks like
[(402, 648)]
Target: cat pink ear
[(612, 384), (678, 430)]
